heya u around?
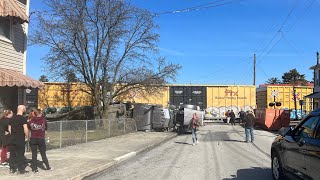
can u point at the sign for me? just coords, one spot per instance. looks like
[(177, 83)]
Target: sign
[(301, 102), (295, 96), (230, 93), (275, 93)]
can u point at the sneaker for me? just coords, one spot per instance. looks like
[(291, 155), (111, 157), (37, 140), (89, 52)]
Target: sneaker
[(193, 144), (49, 169), (12, 171), (197, 142), (5, 166), (35, 171)]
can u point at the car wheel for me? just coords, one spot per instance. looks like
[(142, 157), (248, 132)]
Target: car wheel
[(277, 170)]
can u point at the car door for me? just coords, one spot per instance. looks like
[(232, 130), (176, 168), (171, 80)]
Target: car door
[(312, 155), (294, 147)]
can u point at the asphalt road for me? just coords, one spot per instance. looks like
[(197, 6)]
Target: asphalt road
[(220, 154)]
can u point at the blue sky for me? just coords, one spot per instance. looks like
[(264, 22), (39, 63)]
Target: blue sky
[(216, 45)]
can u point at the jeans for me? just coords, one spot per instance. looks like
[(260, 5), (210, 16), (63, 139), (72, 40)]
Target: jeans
[(251, 131), (194, 135), (40, 143)]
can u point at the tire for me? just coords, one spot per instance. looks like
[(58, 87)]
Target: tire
[(276, 167)]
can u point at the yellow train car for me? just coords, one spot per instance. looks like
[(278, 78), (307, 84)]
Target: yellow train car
[(55, 94), (139, 96), (287, 95), (222, 98)]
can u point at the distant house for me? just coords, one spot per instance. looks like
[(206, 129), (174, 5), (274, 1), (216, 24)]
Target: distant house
[(316, 92), (14, 84)]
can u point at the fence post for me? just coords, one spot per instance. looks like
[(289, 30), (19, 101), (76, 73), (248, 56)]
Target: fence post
[(86, 131), (60, 134), (109, 128), (124, 125)]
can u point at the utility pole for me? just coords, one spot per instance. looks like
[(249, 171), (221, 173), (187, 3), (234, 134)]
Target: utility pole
[(254, 69), (295, 102)]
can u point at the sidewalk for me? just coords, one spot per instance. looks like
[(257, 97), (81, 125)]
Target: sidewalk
[(78, 161)]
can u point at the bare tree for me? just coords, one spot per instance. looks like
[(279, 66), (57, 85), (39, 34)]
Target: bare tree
[(109, 44)]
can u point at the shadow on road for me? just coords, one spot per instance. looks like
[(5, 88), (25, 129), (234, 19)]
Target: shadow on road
[(252, 174), (182, 143), (232, 140)]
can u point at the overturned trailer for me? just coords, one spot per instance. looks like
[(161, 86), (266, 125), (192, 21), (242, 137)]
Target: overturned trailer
[(151, 117), (184, 115)]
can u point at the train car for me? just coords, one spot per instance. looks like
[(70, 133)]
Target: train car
[(290, 97), (221, 98), (55, 94)]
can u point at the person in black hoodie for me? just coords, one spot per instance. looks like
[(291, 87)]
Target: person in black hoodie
[(249, 121), (38, 126)]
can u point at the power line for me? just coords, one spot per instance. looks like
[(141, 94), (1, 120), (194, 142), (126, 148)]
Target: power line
[(284, 33), (290, 44), (277, 32), (199, 7), (268, 32)]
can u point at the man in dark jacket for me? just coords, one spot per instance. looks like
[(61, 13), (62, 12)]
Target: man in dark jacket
[(19, 134), (249, 121), (241, 115), (232, 118)]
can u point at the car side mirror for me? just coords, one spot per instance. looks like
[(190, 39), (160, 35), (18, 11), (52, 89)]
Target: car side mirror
[(285, 131)]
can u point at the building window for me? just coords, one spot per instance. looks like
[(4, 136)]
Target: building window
[(5, 28)]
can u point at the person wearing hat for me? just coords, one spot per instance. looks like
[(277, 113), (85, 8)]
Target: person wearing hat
[(249, 121)]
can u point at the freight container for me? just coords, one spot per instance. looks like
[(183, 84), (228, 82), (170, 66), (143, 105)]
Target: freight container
[(64, 95), (221, 98), (139, 96), (188, 94), (289, 96)]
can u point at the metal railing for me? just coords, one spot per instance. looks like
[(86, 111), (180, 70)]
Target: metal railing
[(66, 133)]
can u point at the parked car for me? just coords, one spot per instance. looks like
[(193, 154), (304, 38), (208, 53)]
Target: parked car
[(296, 152)]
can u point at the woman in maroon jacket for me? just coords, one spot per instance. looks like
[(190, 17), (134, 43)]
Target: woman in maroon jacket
[(38, 126)]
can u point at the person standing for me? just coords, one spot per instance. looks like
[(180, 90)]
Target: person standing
[(18, 130), (4, 133), (194, 126), (38, 126), (232, 118), (241, 115), (249, 121)]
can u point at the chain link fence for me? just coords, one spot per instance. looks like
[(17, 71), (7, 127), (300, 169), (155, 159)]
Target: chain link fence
[(67, 133)]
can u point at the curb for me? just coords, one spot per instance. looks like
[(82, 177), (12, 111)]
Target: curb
[(122, 158)]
